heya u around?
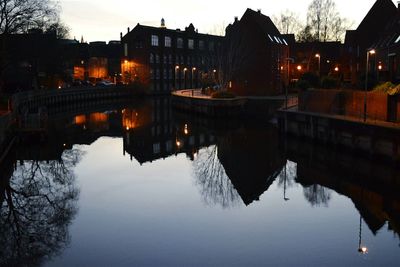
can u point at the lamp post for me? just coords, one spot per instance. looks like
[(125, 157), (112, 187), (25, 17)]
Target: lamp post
[(319, 64), (289, 59), (184, 77), (193, 70), (176, 76), (369, 52)]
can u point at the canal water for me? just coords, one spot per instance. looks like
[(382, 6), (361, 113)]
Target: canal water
[(142, 185)]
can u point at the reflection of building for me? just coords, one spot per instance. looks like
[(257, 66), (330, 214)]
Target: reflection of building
[(165, 59), (372, 186), (151, 134), (252, 160)]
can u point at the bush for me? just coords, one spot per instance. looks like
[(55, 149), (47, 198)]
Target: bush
[(311, 78), (384, 87), (223, 94), (303, 85), (328, 82)]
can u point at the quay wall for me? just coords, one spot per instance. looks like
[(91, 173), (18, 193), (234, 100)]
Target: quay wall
[(381, 139)]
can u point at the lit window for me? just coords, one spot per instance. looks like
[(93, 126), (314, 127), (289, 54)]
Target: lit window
[(151, 58), (191, 44), (179, 43), (270, 38), (201, 45), (125, 49), (154, 40), (167, 41), (285, 41)]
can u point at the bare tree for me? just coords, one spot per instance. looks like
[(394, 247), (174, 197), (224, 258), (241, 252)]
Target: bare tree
[(215, 185), (39, 202), (18, 16), (317, 195), (324, 21), (287, 22)]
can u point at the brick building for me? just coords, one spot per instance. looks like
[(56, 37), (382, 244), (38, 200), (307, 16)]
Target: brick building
[(257, 55), (359, 41), (164, 59)]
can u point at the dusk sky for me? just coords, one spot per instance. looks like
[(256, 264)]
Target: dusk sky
[(104, 19)]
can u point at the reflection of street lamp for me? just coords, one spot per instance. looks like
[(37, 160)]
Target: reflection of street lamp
[(284, 185), (366, 83), (319, 63), (186, 130), (361, 248)]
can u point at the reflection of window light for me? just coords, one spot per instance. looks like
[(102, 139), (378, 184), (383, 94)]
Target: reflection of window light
[(270, 38), (279, 40), (284, 41), (397, 40), (276, 39)]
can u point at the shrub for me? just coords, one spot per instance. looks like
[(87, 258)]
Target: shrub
[(328, 82), (384, 87), (303, 85), (223, 94), (311, 78), (395, 90)]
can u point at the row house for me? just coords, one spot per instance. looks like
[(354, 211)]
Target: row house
[(165, 59), (92, 61)]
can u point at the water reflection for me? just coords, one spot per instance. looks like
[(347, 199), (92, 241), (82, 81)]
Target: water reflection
[(38, 203), (233, 164)]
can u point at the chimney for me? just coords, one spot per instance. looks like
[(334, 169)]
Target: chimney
[(120, 35), (236, 19), (259, 11), (129, 29), (398, 5)]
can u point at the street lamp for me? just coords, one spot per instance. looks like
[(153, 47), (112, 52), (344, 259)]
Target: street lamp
[(289, 59), (176, 75), (319, 64), (193, 70), (184, 76), (369, 52)]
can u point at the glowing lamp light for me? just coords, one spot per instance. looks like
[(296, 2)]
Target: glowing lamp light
[(363, 250), (380, 67), (177, 67), (214, 71), (185, 69), (317, 55), (186, 131), (299, 67), (178, 143), (372, 51), (336, 69), (127, 128), (193, 68)]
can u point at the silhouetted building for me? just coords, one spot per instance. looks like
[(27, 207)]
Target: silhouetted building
[(361, 40), (256, 54), (27, 61), (164, 59), (322, 58), (388, 51)]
